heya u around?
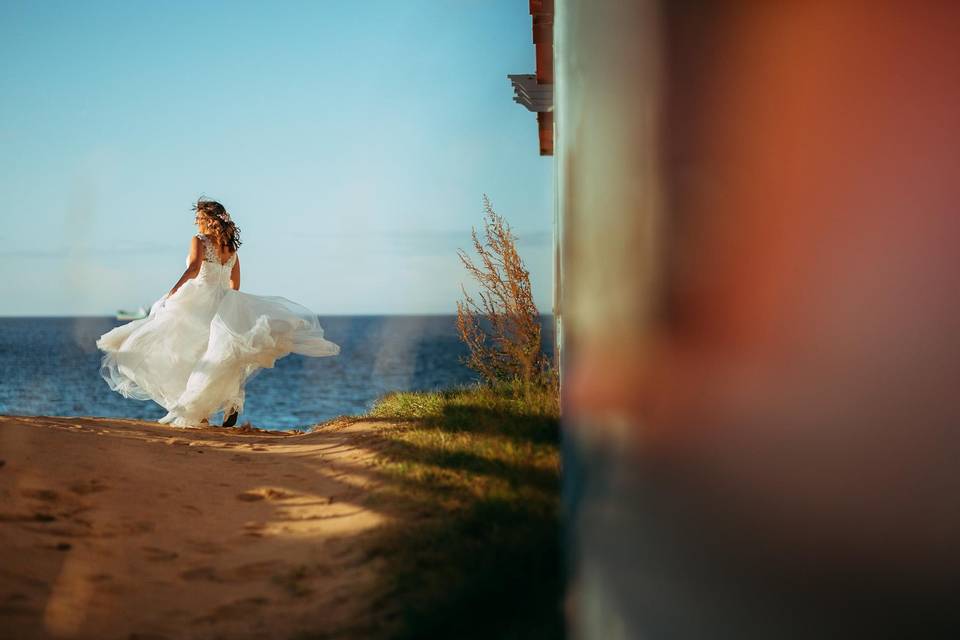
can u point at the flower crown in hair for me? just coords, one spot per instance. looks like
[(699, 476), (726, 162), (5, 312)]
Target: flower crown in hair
[(223, 217)]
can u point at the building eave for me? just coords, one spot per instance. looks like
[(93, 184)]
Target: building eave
[(535, 91)]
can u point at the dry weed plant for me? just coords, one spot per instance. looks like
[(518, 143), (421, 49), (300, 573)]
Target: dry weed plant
[(501, 325)]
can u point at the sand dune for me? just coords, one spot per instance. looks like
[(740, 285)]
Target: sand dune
[(128, 529)]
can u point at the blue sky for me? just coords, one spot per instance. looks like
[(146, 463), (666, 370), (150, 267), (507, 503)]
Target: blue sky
[(351, 142)]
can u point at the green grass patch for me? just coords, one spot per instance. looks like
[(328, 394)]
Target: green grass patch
[(475, 471)]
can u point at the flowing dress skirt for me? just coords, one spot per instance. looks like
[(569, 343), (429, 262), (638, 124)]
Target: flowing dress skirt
[(196, 350)]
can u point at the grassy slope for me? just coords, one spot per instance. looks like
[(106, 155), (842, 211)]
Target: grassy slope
[(481, 557)]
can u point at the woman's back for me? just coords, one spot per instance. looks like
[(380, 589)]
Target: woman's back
[(218, 262)]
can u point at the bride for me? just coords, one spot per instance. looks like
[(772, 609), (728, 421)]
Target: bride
[(203, 340)]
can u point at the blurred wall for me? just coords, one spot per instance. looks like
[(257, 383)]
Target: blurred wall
[(761, 318)]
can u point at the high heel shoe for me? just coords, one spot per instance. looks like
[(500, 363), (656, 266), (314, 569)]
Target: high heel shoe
[(231, 419)]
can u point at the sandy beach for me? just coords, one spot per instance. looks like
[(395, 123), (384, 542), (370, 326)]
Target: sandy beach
[(115, 528)]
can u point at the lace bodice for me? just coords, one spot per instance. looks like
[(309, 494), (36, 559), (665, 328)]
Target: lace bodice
[(211, 271)]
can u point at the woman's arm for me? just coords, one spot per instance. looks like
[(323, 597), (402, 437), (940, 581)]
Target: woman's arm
[(193, 268), (235, 275)]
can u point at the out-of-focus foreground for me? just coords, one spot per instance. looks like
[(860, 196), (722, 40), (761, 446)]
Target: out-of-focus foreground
[(759, 315)]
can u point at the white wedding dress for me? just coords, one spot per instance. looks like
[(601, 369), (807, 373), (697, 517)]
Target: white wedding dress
[(196, 349)]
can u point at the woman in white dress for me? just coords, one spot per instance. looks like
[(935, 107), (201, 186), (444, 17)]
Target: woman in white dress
[(203, 340)]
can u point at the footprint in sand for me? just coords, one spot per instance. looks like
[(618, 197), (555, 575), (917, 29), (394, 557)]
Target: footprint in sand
[(201, 573), (86, 487), (254, 495), (18, 604), (156, 554), (134, 528), (255, 570), (232, 610), (206, 547), (137, 635), (46, 495), (254, 529)]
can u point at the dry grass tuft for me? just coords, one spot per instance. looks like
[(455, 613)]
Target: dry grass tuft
[(501, 325)]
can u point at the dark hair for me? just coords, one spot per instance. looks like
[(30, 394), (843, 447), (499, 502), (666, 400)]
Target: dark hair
[(224, 231)]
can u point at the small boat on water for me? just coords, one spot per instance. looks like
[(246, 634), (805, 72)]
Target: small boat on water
[(132, 315)]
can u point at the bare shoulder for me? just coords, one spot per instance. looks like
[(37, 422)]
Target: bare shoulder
[(196, 246)]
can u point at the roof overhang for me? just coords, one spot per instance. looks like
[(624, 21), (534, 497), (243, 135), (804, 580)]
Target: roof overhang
[(535, 91)]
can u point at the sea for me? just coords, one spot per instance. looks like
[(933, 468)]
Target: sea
[(50, 366)]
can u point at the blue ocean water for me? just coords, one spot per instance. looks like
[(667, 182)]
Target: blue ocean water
[(50, 366)]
